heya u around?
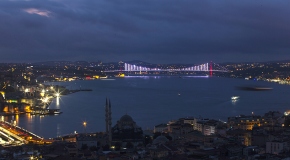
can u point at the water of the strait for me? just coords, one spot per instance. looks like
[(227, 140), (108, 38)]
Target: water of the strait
[(151, 101)]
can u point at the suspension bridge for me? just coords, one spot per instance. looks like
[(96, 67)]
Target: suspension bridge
[(206, 67)]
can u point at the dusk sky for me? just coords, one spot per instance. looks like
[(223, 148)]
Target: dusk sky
[(156, 31)]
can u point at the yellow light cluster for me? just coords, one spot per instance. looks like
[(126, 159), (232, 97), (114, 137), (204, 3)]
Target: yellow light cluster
[(286, 113), (11, 101)]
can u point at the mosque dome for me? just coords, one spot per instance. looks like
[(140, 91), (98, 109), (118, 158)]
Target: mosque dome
[(126, 118), (126, 128)]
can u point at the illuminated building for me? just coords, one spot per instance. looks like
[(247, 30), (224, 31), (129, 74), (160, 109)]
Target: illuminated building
[(246, 122), (209, 128), (206, 126), (269, 120), (15, 108), (191, 121)]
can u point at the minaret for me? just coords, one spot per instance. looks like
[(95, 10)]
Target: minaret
[(110, 123), (107, 116)]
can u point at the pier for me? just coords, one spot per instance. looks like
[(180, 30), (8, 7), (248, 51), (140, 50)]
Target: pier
[(45, 111)]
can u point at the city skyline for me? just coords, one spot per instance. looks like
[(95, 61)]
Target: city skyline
[(154, 31)]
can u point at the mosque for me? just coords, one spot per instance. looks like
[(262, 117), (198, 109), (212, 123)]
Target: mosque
[(126, 133)]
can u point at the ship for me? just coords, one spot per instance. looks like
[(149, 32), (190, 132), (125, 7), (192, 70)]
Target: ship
[(235, 97), (254, 88)]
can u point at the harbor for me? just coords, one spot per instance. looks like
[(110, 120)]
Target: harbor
[(34, 99)]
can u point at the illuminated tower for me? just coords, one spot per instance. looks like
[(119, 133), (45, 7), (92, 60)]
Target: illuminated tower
[(210, 68)]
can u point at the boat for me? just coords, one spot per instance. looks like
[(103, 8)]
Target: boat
[(254, 88), (235, 97)]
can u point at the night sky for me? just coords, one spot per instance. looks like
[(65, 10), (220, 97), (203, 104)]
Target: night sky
[(156, 31)]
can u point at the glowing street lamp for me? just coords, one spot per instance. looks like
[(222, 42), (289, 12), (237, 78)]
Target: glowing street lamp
[(85, 125), (42, 93), (57, 94)]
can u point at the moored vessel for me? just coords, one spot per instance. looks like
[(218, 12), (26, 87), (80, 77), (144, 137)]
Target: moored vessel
[(235, 97)]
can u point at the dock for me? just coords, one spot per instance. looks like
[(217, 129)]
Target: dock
[(45, 111)]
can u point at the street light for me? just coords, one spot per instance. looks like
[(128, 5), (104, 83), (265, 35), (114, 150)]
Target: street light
[(85, 125)]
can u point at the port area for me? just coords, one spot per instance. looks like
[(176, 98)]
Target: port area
[(34, 99), (45, 111), (76, 90), (13, 135)]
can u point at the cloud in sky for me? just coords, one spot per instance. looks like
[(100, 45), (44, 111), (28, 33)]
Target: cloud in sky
[(162, 31), (44, 13)]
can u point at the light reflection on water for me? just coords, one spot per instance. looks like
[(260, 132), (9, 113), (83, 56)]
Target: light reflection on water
[(151, 101), (57, 102)]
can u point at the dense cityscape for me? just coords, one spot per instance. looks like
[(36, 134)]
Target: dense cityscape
[(146, 80), (24, 91)]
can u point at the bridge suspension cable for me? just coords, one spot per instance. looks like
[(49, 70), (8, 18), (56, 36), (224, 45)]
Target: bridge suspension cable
[(206, 67), (131, 67)]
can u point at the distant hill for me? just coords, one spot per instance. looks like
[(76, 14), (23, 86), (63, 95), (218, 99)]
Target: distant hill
[(134, 62)]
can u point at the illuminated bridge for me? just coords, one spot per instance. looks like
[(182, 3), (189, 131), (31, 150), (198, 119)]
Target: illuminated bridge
[(206, 67)]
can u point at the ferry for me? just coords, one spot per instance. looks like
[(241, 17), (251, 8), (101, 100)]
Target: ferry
[(235, 97)]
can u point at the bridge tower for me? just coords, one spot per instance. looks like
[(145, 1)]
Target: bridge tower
[(210, 68)]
